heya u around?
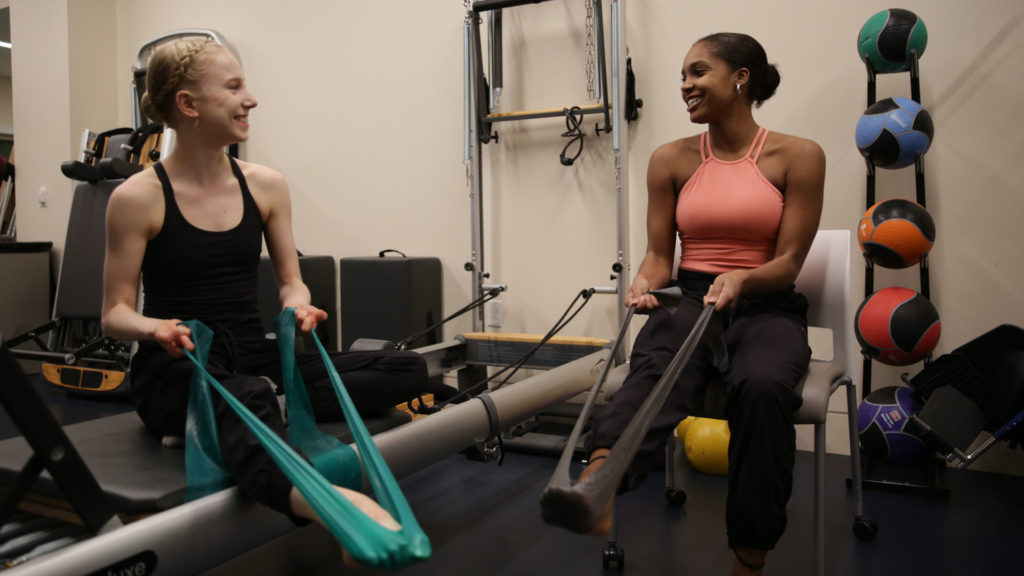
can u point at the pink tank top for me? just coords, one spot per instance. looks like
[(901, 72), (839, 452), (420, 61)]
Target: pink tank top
[(728, 213)]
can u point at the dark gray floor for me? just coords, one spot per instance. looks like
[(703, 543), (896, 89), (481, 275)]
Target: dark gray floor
[(66, 408), (484, 519)]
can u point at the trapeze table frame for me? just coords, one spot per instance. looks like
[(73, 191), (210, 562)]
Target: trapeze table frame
[(478, 122)]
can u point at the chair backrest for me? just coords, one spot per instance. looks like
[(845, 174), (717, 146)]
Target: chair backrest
[(825, 281)]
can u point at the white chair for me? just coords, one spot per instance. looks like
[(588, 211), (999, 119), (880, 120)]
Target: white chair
[(825, 280)]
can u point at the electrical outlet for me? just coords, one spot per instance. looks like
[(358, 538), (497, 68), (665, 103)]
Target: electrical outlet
[(494, 313)]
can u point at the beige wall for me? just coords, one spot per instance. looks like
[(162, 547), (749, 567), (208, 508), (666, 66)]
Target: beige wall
[(92, 38), (41, 98), (361, 107)]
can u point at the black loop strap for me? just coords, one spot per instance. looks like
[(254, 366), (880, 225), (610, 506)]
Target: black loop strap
[(382, 253), (574, 130), (493, 423), (492, 414)]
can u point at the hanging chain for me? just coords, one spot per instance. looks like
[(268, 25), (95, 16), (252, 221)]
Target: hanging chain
[(589, 49)]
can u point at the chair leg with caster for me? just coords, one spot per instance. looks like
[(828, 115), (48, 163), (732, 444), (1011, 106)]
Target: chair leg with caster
[(864, 527), (675, 498), (613, 556)]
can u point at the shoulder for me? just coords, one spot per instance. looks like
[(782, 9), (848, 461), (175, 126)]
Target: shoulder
[(139, 192), (672, 164), (138, 203), (678, 150), (794, 148), (268, 188), (676, 160), (262, 177)]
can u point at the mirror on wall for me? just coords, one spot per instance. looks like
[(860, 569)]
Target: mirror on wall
[(7, 218), (6, 108)]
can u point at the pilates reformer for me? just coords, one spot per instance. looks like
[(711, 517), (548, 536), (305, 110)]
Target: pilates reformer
[(140, 477)]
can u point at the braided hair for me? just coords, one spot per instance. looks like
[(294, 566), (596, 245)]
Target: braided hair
[(743, 51), (172, 66)]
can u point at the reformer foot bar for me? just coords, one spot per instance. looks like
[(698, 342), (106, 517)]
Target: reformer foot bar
[(577, 506), (197, 536)]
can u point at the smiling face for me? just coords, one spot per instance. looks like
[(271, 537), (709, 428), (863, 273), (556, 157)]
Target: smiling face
[(709, 84), (221, 98)]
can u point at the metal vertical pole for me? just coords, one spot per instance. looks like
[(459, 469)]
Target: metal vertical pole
[(471, 152), (620, 147), (494, 41), (136, 113), (599, 69)]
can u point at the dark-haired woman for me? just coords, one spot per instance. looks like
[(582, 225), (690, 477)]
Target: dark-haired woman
[(744, 205)]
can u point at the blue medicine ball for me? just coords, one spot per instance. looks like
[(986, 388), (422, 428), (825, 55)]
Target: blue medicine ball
[(892, 132)]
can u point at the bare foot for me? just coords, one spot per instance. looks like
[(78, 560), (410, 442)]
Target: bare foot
[(604, 523), (365, 504), (749, 562)]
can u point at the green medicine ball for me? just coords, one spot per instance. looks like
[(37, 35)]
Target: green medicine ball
[(889, 37)]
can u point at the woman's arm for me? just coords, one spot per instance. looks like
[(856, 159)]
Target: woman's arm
[(656, 268), (804, 164), (274, 198), (132, 213)]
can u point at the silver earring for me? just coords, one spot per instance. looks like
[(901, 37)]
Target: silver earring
[(737, 91), (196, 123)]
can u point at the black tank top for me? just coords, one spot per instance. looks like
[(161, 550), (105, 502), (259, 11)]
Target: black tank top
[(188, 272)]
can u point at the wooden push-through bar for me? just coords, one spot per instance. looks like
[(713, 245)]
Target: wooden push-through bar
[(544, 113)]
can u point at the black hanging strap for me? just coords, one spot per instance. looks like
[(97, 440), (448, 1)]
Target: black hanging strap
[(573, 130)]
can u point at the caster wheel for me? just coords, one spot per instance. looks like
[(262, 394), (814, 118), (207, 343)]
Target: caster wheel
[(675, 497), (865, 528), (614, 557)]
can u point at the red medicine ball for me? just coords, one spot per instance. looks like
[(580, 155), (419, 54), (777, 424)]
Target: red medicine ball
[(897, 326)]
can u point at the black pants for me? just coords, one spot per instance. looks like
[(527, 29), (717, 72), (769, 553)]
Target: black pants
[(160, 386), (768, 354)]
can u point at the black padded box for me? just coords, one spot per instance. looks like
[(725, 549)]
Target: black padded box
[(320, 276), (390, 298)]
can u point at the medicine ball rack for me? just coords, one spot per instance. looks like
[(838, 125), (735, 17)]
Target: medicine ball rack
[(930, 485), (869, 272)]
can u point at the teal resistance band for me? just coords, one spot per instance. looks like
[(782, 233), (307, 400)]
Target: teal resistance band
[(338, 462), (366, 541), (204, 465)]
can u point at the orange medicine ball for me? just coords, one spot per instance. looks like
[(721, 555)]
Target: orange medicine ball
[(896, 233)]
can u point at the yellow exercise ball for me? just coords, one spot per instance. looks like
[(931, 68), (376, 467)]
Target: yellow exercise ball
[(683, 426), (707, 445)]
